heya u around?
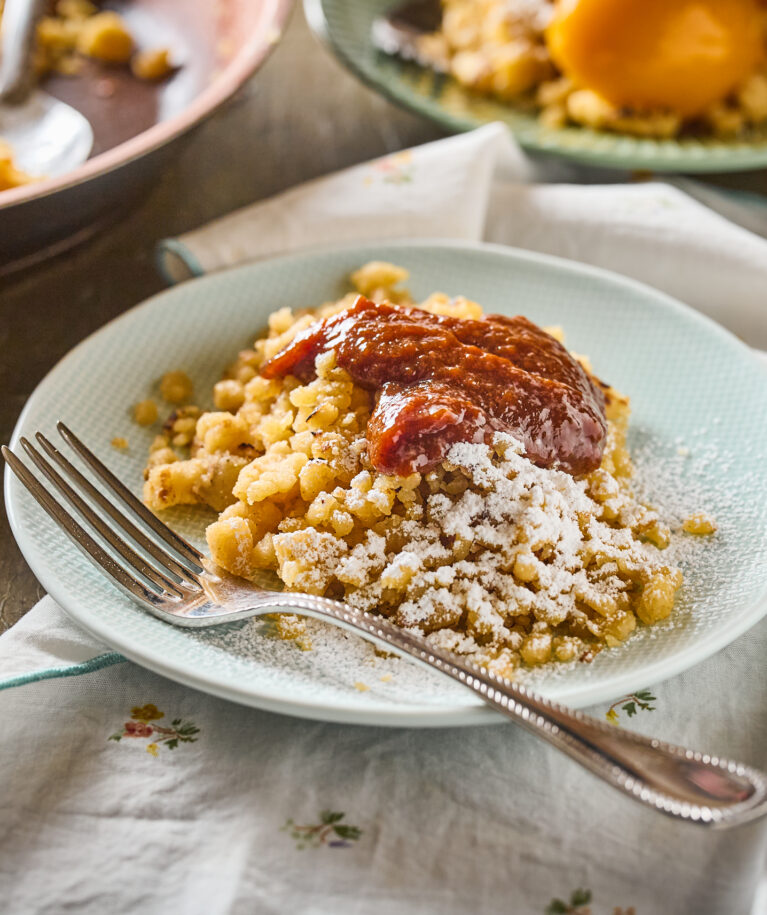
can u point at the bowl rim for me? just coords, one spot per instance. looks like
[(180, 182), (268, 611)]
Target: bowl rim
[(248, 60)]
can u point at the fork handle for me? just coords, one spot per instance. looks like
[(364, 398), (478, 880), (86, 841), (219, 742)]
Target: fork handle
[(681, 783)]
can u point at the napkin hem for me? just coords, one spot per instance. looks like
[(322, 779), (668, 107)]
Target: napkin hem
[(175, 262), (72, 670)]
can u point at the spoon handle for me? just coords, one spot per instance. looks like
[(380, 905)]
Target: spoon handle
[(19, 20)]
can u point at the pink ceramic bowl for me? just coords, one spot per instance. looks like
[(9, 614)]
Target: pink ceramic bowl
[(219, 44)]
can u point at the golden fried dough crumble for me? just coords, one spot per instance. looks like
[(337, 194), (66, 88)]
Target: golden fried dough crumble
[(487, 554), (499, 48)]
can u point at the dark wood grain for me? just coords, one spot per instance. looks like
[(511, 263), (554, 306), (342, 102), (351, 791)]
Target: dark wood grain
[(302, 116)]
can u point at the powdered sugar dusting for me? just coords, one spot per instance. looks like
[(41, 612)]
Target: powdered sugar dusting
[(534, 535), (681, 477), (678, 478)]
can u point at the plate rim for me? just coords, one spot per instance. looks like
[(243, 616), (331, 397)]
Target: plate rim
[(748, 158), (473, 711)]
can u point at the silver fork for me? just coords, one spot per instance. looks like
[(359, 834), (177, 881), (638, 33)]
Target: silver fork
[(168, 577)]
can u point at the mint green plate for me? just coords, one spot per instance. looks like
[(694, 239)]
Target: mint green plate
[(345, 25), (693, 386)]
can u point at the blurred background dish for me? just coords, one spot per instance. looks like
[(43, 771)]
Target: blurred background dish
[(347, 28), (215, 46)]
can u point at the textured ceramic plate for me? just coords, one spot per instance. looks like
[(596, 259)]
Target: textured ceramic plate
[(692, 385), (345, 26)]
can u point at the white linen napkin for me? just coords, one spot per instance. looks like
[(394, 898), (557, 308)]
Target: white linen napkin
[(202, 806), (45, 644), (260, 813), (705, 247)]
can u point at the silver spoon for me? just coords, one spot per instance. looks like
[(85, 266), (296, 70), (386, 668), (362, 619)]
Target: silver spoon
[(48, 137)]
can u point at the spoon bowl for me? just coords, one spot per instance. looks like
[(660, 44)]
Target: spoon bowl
[(48, 137)]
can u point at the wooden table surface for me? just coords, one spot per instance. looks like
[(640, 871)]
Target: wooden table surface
[(301, 116)]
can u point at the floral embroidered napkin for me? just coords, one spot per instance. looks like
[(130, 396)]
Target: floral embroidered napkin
[(122, 791)]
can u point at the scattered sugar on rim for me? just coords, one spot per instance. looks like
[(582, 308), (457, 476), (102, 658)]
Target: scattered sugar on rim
[(676, 479), (337, 659)]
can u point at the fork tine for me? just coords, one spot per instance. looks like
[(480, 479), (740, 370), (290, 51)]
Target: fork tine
[(171, 538), (138, 563), (168, 562), (82, 539)]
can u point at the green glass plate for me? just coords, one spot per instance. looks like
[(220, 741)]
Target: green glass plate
[(345, 26)]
